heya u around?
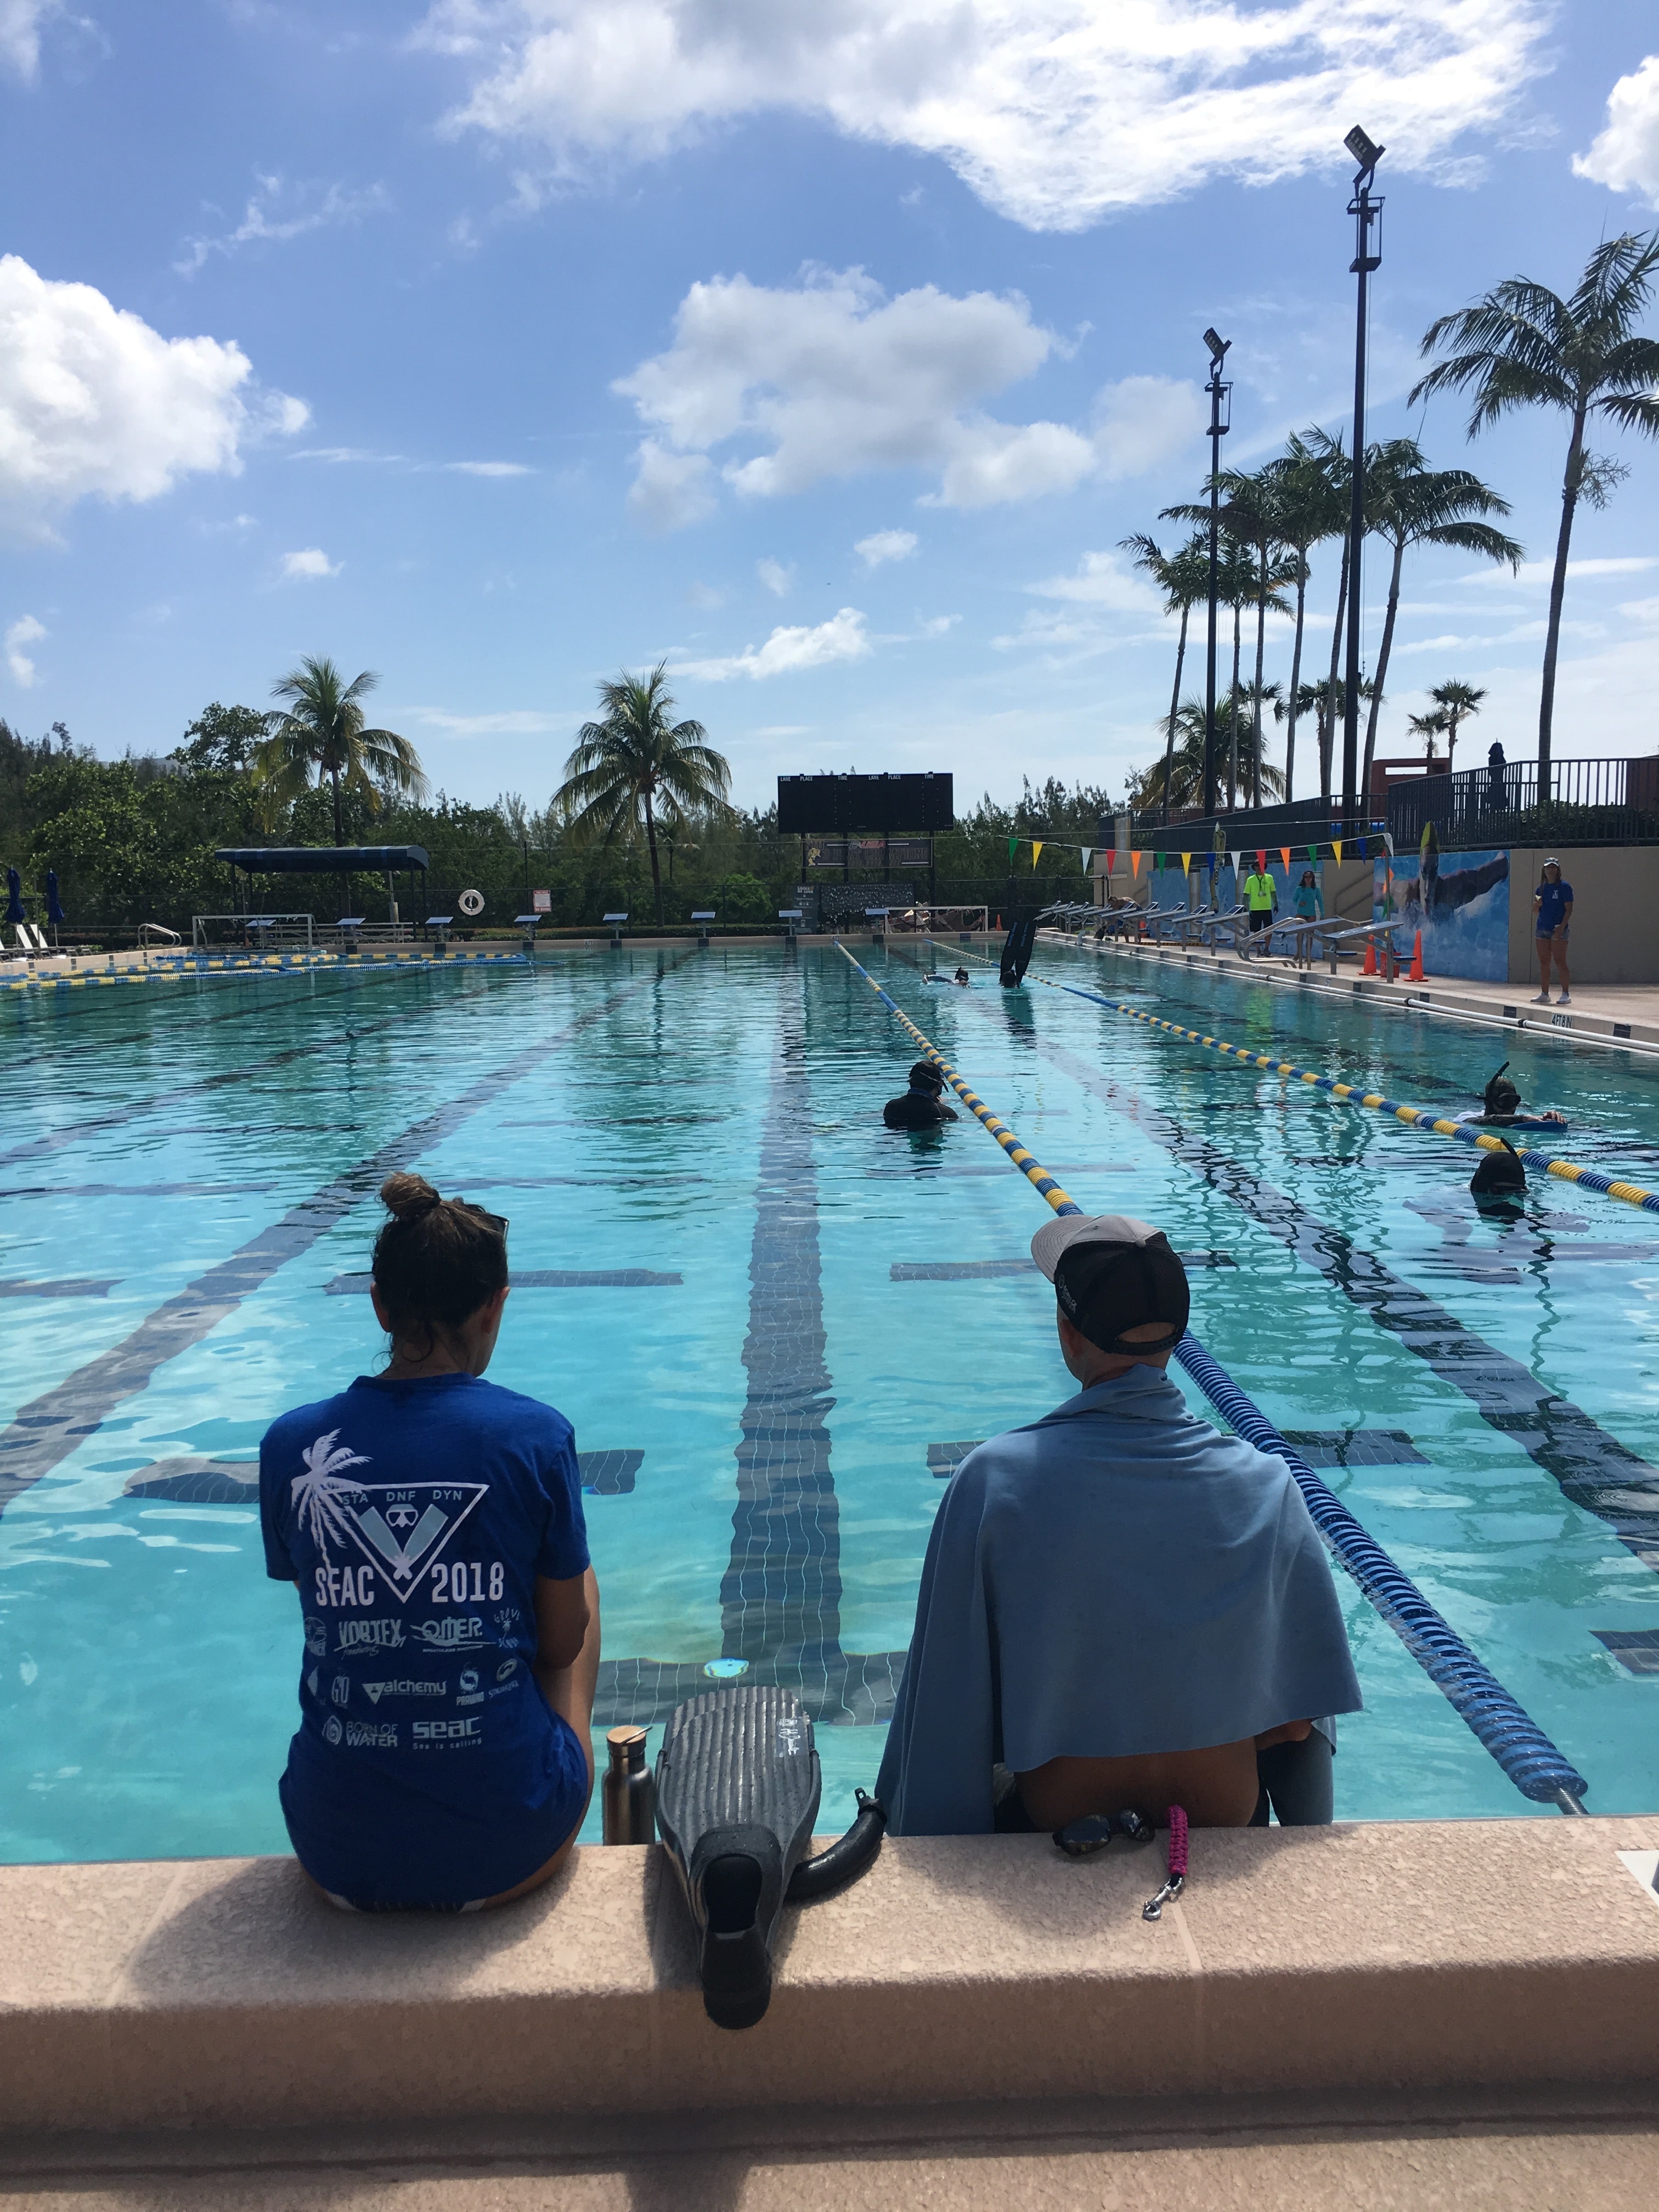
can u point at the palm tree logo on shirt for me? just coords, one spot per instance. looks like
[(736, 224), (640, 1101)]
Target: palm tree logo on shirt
[(323, 1501), (400, 1528)]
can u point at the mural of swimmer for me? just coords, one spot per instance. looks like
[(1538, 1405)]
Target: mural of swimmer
[(1461, 903)]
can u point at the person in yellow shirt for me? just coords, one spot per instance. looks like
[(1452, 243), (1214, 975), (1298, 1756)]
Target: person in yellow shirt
[(1261, 896)]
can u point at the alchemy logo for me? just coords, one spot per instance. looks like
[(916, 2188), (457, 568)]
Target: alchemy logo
[(376, 1690), (401, 1529)]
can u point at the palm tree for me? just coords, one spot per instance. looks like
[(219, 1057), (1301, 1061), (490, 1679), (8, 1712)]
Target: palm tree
[(1428, 727), (634, 765), (1457, 702), (1236, 720), (1183, 579), (1521, 345), (320, 734), (1408, 503), (1309, 510)]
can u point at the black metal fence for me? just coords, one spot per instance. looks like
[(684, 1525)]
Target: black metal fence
[(1590, 802)]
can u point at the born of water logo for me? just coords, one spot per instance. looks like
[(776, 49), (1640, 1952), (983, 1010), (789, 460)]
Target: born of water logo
[(371, 1735)]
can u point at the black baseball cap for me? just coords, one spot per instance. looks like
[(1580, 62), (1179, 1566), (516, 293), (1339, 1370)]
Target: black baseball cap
[(1110, 1274)]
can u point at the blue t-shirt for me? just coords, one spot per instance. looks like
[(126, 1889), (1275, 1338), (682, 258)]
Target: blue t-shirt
[(416, 1517), (1554, 900)]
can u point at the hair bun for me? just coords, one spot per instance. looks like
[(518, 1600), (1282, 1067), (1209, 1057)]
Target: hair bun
[(408, 1196)]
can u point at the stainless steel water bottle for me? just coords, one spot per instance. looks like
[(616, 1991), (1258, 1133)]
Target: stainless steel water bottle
[(631, 1789)]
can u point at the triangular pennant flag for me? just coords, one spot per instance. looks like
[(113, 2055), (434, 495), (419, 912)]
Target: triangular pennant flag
[(1036, 848), (1336, 846), (1013, 846), (1186, 863), (1111, 854), (1158, 862), (1388, 844), (1134, 864), (1232, 860), (1284, 854), (1088, 856), (1313, 851), (1261, 858)]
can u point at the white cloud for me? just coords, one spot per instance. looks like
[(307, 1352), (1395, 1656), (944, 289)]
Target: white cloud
[(1539, 572), (1055, 111), (1626, 156), (831, 379), (513, 722), (92, 400), (310, 561), (787, 651), (1103, 580), (939, 625), (885, 545), (488, 468), (26, 630), (670, 489), (777, 579), (309, 207), (21, 23)]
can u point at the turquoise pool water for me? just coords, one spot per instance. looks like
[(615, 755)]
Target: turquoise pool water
[(185, 1171)]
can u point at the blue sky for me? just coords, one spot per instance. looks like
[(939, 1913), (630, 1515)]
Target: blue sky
[(826, 353)]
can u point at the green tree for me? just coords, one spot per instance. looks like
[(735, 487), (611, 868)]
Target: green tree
[(321, 736), (1522, 345), (1408, 503), (634, 768), (1308, 510), (1457, 702), (1183, 577), (1427, 727)]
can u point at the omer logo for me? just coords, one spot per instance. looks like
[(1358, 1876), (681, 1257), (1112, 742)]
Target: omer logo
[(401, 1529)]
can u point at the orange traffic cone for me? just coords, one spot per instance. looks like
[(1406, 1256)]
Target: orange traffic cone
[(1370, 967), (1417, 974)]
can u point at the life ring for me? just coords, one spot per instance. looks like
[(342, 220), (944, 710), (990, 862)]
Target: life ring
[(472, 904)]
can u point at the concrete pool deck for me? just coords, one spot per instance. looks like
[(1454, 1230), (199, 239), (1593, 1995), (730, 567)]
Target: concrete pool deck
[(980, 2010)]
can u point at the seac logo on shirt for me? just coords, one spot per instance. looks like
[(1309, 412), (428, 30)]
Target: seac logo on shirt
[(398, 1530), (471, 1730)]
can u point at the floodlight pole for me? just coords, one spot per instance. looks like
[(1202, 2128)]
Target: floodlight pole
[(1219, 425), (1365, 210)]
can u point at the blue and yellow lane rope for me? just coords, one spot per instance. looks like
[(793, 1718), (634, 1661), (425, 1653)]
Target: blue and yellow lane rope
[(1493, 1716), (1418, 1117), (1031, 1168)]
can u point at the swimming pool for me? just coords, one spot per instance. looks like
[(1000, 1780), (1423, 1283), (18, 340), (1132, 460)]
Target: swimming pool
[(774, 1324)]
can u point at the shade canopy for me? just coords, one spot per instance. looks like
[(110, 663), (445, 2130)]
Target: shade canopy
[(54, 905), (323, 859)]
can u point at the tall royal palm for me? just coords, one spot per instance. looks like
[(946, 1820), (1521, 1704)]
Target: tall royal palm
[(1408, 503), (320, 736), (1183, 577), (1522, 345), (635, 769), (1309, 509)]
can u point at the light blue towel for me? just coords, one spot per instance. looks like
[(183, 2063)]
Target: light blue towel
[(1116, 1578)]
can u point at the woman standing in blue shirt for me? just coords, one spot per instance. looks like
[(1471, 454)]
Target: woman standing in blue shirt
[(1309, 902), (1552, 905), (432, 1523)]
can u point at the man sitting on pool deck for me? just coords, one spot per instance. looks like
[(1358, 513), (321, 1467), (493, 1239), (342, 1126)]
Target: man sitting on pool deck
[(1126, 1607), (922, 1106)]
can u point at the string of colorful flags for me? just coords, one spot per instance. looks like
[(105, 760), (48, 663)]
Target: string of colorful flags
[(1376, 845)]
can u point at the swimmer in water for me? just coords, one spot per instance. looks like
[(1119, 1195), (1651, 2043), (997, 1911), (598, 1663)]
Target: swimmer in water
[(922, 1106), (1501, 1178), (1501, 1107), (961, 977)]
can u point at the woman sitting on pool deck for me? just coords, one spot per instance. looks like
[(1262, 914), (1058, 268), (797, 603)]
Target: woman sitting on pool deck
[(1124, 1608), (433, 1524)]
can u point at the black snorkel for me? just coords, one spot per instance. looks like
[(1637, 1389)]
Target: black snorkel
[(1501, 1100)]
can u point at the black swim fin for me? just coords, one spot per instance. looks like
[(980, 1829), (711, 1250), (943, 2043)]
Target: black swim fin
[(738, 1789)]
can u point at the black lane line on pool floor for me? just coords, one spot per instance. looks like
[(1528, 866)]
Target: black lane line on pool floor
[(780, 1593), (55, 1139), (49, 1428)]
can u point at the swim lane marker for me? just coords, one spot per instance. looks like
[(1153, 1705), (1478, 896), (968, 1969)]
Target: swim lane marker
[(1418, 1117)]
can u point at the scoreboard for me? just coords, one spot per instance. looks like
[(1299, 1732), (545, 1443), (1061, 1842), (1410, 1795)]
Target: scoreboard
[(844, 806)]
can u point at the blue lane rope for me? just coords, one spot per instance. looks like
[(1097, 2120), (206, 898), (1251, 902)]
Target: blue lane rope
[(1535, 1160), (1503, 1726)]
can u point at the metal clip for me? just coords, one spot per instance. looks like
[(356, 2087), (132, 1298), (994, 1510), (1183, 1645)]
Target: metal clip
[(1153, 1908)]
